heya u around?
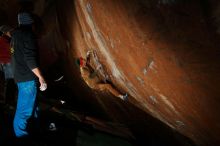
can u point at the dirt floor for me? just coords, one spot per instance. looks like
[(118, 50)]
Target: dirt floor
[(72, 128)]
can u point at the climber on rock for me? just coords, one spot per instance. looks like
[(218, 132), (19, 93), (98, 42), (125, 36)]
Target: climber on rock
[(92, 79)]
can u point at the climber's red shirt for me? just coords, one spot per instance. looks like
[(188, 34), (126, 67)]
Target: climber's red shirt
[(5, 55)]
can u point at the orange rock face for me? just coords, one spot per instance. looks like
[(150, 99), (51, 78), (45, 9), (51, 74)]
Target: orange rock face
[(165, 56)]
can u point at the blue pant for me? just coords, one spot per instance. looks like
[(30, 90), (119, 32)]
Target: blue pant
[(26, 107)]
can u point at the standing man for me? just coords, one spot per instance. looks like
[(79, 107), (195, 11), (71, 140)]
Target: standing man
[(5, 62), (26, 73)]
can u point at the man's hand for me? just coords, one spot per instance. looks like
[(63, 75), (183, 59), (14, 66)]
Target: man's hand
[(43, 84), (88, 55)]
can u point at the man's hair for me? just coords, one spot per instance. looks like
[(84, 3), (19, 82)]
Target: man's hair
[(5, 29), (77, 62)]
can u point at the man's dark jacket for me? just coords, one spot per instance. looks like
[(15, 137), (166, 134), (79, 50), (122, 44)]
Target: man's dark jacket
[(24, 54)]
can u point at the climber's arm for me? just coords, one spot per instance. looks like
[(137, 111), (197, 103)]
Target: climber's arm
[(88, 56)]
